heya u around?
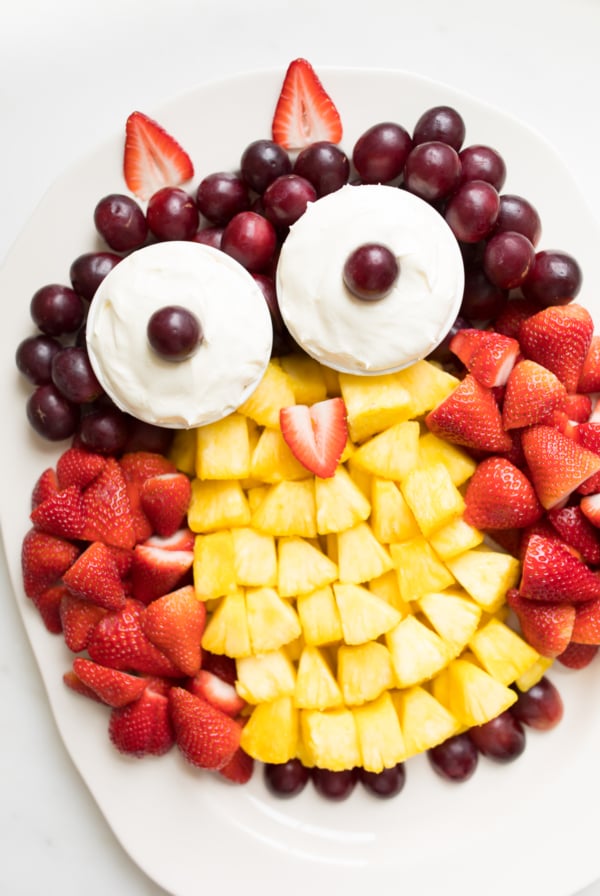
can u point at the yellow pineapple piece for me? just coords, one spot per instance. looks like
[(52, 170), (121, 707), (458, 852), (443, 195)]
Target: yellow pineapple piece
[(332, 382), (434, 450), (392, 453), (227, 629), (418, 568), (364, 671), (307, 378), (302, 567), (254, 557), (427, 385), (272, 461), (455, 538), (272, 621), (386, 586), (320, 617), (424, 721), (289, 508), (294, 648), (470, 693), (223, 449), (502, 652), (380, 737), (391, 517), (256, 495), (271, 732), (316, 687), (373, 403), (417, 652), (360, 556), (432, 496), (182, 452), (453, 615), (364, 616), (486, 575), (275, 391), (265, 676), (527, 680), (360, 477), (331, 738), (217, 505), (340, 503), (214, 565)]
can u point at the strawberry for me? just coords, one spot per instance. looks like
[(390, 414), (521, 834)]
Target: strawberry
[(316, 435), (589, 377), (137, 466), (46, 485), (470, 416), (77, 466), (553, 572), (48, 604), (165, 500), (217, 692), (111, 686), (590, 507), (532, 393), (239, 769), (182, 540), (500, 496), (304, 113), (61, 514), (546, 626), (156, 571), (74, 683), (143, 727), (220, 665), (489, 356), (153, 158), (586, 629), (512, 316), (206, 736), (544, 528), (44, 559), (94, 576), (559, 337), (78, 618), (107, 509), (588, 435), (573, 527), (557, 463), (142, 527), (577, 407), (175, 623), (578, 656)]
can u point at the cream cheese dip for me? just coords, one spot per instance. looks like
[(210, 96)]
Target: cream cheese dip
[(337, 328), (226, 366)]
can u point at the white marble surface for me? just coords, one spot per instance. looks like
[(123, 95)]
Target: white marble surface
[(70, 72)]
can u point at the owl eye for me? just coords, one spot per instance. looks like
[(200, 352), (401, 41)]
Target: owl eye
[(174, 332)]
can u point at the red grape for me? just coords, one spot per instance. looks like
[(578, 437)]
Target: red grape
[(172, 214), (455, 759), (432, 170), (34, 358), (325, 165), (174, 332), (222, 195), (508, 258), (553, 279), (262, 161), (121, 222), (384, 784), (380, 152), (334, 785), (73, 376), (57, 310), (540, 707), (286, 198), (51, 414), (519, 214), (251, 240), (440, 123), (89, 270), (286, 779), (501, 739), (482, 163), (472, 211), (370, 271), (104, 429)]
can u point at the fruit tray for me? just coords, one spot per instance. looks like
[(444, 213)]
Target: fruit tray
[(435, 835)]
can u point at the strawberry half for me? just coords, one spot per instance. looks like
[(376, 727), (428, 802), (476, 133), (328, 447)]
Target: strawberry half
[(46, 485), (470, 416), (558, 464), (206, 736), (559, 337), (111, 686), (94, 576), (44, 559), (220, 694), (586, 629), (576, 530), (153, 158), (76, 466), (157, 571), (305, 113), (554, 572), (48, 605), (547, 627), (578, 656), (61, 513), (165, 500), (316, 435), (175, 623), (532, 393), (107, 508), (589, 377), (500, 496), (143, 727), (239, 768), (489, 356), (78, 618)]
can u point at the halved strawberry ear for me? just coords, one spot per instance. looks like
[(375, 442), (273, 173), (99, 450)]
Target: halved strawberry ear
[(316, 435), (304, 112), (153, 158)]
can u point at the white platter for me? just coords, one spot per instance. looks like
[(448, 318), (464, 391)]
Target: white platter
[(522, 827)]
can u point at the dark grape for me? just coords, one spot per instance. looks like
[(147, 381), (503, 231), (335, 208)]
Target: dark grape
[(455, 759), (89, 270), (518, 214), (282, 341), (222, 195), (286, 198), (144, 436), (384, 784), (174, 332), (287, 779), (51, 414), (370, 271), (482, 163), (262, 161), (432, 170), (472, 211), (57, 310), (172, 214), (34, 358), (540, 707), (104, 429), (325, 165), (501, 739), (553, 279), (334, 785), (209, 236), (251, 240), (73, 376), (441, 123), (380, 152), (482, 300), (508, 258), (121, 222)]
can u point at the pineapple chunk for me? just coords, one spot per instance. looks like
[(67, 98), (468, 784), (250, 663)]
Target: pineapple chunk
[(306, 376), (364, 671), (392, 453), (486, 575), (360, 477), (272, 461), (386, 586), (434, 450), (471, 694), (455, 538), (380, 736), (453, 615), (289, 508), (527, 680), (423, 720), (223, 449), (364, 616), (316, 687), (217, 505), (182, 452), (227, 629), (427, 384), (214, 565), (340, 503), (391, 517), (274, 392), (254, 557), (417, 652), (265, 676), (256, 495), (360, 556), (373, 403), (433, 498), (272, 621), (418, 568), (502, 652), (302, 567), (271, 732), (331, 738), (320, 617)]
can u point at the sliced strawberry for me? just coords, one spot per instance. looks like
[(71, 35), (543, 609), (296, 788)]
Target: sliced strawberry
[(61, 514), (500, 496), (512, 316), (44, 559), (589, 378), (586, 629), (316, 435), (137, 466), (489, 356), (577, 407), (578, 656), (239, 769), (573, 527), (142, 527), (553, 571), (206, 736), (165, 500), (94, 576), (217, 692), (156, 571), (182, 540), (73, 682), (532, 393), (220, 665), (470, 416), (507, 539), (546, 626), (78, 618), (175, 623), (76, 466), (107, 509), (45, 487), (48, 604), (153, 158), (590, 507), (113, 687), (559, 337), (304, 113), (143, 727), (558, 464), (588, 435)]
